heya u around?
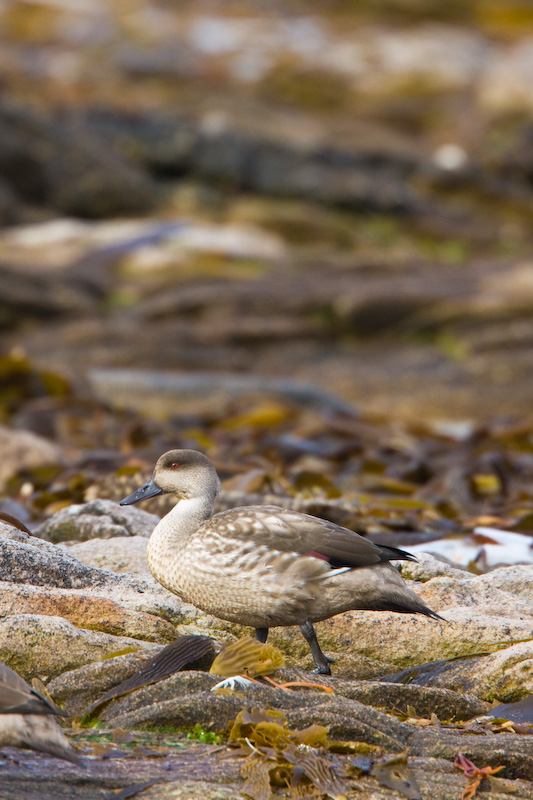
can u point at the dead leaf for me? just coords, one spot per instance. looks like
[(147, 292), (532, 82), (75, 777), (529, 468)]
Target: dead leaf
[(256, 774), (108, 750), (120, 736), (319, 767), (395, 774)]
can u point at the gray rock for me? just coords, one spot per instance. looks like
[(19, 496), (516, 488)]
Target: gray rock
[(512, 750), (98, 519), (348, 664), (516, 580), (407, 640), (76, 689), (91, 610), (506, 675), (195, 790), (33, 644), (482, 595), (427, 566), (188, 770), (26, 294), (330, 175), (29, 560), (353, 721), (185, 699), (197, 392), (120, 554), (66, 166), (423, 701), (23, 450)]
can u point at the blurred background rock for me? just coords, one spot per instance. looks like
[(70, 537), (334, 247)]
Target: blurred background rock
[(341, 195)]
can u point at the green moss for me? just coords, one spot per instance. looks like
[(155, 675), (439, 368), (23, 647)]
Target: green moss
[(451, 251), (87, 721), (451, 346), (199, 733)]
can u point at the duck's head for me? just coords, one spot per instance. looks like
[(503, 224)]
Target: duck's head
[(185, 473)]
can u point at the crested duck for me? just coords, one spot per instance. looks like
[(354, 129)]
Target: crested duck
[(264, 566), (27, 719)]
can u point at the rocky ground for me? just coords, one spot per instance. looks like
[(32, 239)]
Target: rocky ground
[(80, 610)]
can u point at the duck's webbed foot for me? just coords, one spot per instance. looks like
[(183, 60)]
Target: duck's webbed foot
[(322, 662), (261, 634)]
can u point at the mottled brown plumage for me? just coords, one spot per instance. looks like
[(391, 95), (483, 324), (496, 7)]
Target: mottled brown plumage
[(28, 720), (264, 566)]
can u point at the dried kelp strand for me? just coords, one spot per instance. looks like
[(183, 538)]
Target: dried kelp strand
[(247, 656)]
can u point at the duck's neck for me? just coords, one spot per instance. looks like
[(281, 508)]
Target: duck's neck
[(170, 535)]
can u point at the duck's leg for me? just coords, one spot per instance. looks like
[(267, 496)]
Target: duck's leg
[(261, 634), (322, 662)]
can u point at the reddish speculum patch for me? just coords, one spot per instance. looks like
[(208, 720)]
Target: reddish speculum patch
[(321, 556)]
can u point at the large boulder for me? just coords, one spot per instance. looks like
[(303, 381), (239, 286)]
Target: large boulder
[(57, 613)]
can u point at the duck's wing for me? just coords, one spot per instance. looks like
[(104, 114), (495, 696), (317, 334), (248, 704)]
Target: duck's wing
[(290, 531), (17, 696)]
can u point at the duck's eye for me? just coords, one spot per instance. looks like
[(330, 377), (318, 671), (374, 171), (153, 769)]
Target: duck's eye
[(174, 465)]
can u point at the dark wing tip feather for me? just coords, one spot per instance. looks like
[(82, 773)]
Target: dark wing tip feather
[(409, 605), (388, 553), (433, 614)]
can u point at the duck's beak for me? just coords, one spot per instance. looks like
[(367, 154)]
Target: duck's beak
[(150, 489)]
